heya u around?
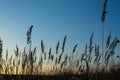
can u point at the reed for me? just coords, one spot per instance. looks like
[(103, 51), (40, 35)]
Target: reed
[(1, 49), (74, 49), (89, 62), (57, 47), (63, 45), (42, 46)]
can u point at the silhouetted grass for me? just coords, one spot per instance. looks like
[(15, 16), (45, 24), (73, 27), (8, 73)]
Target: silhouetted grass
[(61, 65)]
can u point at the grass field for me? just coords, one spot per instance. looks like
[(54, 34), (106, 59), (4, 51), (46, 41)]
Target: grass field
[(90, 65), (95, 62)]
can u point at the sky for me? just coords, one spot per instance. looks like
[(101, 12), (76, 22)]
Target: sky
[(53, 19)]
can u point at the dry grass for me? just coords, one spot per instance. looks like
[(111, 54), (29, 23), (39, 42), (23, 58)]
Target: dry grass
[(89, 66)]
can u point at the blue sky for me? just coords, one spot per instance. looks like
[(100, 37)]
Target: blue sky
[(53, 19)]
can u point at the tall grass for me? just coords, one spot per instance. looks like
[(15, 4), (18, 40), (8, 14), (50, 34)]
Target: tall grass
[(49, 63)]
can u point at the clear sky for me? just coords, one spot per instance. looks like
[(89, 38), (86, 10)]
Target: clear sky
[(53, 19)]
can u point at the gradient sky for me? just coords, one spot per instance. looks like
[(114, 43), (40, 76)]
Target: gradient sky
[(53, 19)]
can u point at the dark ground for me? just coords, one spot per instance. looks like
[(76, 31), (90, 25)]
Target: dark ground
[(98, 76)]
